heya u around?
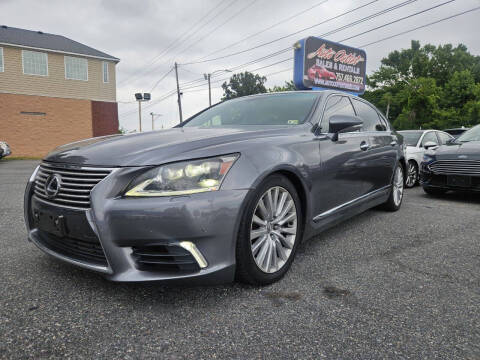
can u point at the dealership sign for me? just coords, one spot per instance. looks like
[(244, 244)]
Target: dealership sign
[(324, 64)]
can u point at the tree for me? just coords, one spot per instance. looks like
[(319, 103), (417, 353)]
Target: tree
[(288, 86), (243, 84), (428, 86)]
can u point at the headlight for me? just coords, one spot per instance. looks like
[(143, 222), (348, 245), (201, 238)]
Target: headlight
[(428, 157), (183, 178)]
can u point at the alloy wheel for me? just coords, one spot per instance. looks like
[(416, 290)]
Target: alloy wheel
[(398, 186), (412, 175), (273, 229)]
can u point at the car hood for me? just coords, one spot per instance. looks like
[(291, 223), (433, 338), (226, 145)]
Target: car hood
[(156, 147), (462, 151)]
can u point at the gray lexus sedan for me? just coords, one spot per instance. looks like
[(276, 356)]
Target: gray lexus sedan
[(228, 194)]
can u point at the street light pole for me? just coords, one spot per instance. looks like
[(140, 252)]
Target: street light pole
[(140, 98), (207, 77)]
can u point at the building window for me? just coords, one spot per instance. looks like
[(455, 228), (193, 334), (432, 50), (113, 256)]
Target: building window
[(35, 63), (76, 68), (1, 59), (105, 72)]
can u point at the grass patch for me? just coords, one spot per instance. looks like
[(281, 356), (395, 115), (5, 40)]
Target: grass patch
[(10, 158)]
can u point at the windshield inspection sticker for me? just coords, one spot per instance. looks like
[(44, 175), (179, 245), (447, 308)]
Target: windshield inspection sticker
[(292, 122)]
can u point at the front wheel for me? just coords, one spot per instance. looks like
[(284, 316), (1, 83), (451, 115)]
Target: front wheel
[(396, 194), (270, 230)]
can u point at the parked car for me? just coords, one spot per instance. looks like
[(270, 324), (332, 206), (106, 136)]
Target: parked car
[(4, 149), (417, 141), (456, 132), (227, 194), (454, 166), (319, 72)]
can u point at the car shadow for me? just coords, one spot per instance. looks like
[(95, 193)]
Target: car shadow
[(456, 196)]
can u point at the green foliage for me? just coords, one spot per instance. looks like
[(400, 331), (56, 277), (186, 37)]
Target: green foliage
[(428, 87), (288, 86), (243, 84)]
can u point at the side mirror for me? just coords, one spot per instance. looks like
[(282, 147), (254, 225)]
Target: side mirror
[(339, 123), (450, 141), (429, 145)]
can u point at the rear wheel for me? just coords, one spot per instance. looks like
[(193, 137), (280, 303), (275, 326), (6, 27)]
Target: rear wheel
[(270, 230), (396, 194), (412, 174)]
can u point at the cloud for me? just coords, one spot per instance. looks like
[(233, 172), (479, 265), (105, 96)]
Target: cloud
[(139, 32)]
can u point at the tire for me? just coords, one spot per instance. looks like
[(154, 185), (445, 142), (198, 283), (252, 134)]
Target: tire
[(411, 178), (249, 265), (434, 191), (395, 198)]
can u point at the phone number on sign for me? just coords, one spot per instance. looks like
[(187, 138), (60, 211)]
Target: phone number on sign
[(350, 78)]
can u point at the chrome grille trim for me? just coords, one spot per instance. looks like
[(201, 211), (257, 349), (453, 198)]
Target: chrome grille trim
[(455, 167), (76, 184)]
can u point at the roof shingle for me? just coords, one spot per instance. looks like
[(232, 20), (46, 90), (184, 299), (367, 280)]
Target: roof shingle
[(41, 40)]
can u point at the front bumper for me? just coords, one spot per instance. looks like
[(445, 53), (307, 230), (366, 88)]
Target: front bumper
[(195, 234), (441, 181)]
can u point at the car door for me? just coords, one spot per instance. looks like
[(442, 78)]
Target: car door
[(382, 150), (341, 160)]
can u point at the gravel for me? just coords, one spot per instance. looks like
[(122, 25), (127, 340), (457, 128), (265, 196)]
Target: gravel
[(380, 285)]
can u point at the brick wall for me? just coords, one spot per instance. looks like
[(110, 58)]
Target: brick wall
[(104, 118), (34, 125)]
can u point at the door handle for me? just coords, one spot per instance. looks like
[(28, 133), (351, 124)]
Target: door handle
[(364, 146)]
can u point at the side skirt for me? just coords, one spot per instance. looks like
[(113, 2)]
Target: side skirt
[(345, 211)]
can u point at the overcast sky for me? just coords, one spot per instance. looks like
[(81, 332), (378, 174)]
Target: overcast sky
[(140, 32)]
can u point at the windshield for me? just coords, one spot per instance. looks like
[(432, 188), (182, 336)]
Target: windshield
[(411, 137), (276, 109), (470, 135)]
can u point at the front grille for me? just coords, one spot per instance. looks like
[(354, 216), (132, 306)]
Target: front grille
[(75, 184), (164, 258), (456, 167), (86, 250)]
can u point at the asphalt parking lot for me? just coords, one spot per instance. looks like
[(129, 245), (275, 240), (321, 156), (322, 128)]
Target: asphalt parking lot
[(382, 285)]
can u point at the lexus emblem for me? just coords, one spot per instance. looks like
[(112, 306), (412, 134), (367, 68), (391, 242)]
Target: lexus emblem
[(52, 185)]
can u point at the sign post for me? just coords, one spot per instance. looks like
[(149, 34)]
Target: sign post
[(324, 64)]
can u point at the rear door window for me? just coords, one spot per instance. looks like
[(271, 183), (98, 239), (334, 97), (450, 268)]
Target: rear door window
[(370, 117), (336, 105)]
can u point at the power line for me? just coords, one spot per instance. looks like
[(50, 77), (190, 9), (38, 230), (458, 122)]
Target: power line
[(266, 29), (172, 44), (348, 38), (422, 26), (226, 21), (294, 33), (162, 78), (177, 45), (398, 20), (171, 93)]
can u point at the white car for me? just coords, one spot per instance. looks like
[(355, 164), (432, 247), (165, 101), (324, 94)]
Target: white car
[(417, 141), (4, 149)]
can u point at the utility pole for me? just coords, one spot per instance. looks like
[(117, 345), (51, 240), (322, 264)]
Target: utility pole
[(179, 97), (140, 116), (207, 77), (153, 119)]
